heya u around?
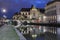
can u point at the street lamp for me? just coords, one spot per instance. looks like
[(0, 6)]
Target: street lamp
[(4, 10)]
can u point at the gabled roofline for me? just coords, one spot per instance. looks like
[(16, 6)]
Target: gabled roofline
[(52, 2)]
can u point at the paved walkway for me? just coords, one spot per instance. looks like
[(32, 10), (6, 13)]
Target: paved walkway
[(20, 35), (8, 32)]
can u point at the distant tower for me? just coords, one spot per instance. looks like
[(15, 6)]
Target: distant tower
[(34, 13), (33, 6)]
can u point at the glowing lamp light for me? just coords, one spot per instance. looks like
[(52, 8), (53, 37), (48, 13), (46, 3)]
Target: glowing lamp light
[(44, 30), (58, 18), (34, 35), (4, 10), (44, 17)]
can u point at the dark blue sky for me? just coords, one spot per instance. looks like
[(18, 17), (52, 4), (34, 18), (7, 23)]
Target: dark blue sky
[(13, 6)]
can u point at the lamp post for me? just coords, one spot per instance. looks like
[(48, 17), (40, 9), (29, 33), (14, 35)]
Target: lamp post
[(3, 10)]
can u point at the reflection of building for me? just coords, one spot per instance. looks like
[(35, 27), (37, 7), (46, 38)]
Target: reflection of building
[(53, 11)]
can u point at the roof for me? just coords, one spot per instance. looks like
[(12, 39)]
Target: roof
[(25, 9), (16, 13), (53, 2), (41, 10)]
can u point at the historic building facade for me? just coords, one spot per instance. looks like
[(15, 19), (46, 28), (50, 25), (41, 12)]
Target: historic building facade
[(32, 14), (52, 11)]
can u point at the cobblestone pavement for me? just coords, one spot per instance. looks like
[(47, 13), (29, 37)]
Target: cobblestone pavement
[(8, 33)]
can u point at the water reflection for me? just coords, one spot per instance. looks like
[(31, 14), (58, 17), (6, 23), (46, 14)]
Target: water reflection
[(39, 32), (58, 33)]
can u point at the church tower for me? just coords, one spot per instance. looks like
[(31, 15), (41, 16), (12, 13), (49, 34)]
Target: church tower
[(34, 13)]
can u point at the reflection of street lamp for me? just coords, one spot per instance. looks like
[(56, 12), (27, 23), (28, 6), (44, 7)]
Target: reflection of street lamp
[(34, 36)]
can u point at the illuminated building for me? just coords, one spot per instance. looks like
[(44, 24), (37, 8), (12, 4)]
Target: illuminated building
[(52, 11), (33, 14), (15, 16)]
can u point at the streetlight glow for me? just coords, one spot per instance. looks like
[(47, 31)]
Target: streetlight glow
[(44, 17), (4, 10)]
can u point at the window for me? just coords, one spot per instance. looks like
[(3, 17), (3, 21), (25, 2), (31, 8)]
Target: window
[(29, 13), (33, 14), (51, 12), (23, 13), (51, 7)]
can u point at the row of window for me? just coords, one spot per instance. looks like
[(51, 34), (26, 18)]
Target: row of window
[(52, 18), (51, 7), (25, 13), (53, 12)]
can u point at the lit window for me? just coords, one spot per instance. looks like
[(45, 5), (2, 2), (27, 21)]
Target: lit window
[(55, 18)]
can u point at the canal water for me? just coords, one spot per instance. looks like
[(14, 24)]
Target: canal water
[(39, 32)]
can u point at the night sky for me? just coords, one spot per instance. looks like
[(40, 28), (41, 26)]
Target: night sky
[(12, 6)]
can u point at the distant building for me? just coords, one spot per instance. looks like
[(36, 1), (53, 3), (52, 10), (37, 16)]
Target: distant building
[(15, 16), (52, 11), (32, 13)]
